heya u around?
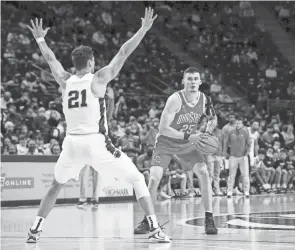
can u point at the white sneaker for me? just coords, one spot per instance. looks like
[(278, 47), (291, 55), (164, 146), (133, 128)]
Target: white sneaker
[(33, 236), (158, 235)]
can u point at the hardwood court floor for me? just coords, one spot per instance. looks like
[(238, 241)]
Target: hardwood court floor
[(264, 223)]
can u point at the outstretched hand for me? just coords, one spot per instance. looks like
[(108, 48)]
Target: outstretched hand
[(37, 30), (148, 19)]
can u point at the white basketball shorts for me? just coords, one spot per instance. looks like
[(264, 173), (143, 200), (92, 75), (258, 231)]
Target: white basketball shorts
[(91, 149)]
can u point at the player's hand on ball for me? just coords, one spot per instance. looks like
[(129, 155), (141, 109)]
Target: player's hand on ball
[(194, 137), (37, 29), (148, 19)]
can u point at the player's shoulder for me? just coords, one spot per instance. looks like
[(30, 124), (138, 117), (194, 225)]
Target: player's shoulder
[(174, 101)]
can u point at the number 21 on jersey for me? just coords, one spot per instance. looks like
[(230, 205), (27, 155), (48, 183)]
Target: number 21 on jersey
[(187, 128), (77, 99)]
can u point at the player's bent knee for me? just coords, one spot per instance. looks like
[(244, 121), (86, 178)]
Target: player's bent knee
[(201, 169), (156, 173)]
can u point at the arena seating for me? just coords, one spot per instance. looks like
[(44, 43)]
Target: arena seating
[(222, 36)]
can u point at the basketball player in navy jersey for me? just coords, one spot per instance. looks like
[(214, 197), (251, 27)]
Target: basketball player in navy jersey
[(87, 140), (182, 115)]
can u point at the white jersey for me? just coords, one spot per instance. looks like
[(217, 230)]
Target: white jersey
[(84, 113), (253, 137)]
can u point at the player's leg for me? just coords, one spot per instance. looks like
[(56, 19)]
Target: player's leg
[(216, 175), (211, 169), (94, 200), (277, 183), (123, 168), (244, 167), (146, 175), (233, 166), (68, 166), (201, 171), (159, 163), (292, 176), (84, 175), (284, 179)]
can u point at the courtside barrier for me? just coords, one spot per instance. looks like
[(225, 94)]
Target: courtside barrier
[(26, 179)]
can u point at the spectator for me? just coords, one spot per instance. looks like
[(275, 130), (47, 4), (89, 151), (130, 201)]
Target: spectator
[(144, 163), (270, 166), (178, 177), (286, 175), (13, 116), (6, 99), (22, 146), (271, 72), (239, 142), (277, 134), (40, 145), (252, 55), (290, 161), (288, 135), (215, 88), (55, 150), (12, 150), (130, 144), (260, 171), (32, 148), (153, 111), (9, 128), (267, 137)]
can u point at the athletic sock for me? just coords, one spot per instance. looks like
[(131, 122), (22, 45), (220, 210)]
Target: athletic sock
[(152, 221), (208, 214), (37, 226)]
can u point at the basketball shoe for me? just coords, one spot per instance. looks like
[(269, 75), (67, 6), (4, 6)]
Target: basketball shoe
[(81, 204), (94, 203), (33, 236), (158, 235), (143, 227), (210, 226)]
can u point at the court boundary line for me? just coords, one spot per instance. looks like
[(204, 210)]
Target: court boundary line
[(177, 239)]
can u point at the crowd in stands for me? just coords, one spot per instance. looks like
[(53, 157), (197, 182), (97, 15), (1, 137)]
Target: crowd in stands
[(224, 37), (32, 121), (285, 12)]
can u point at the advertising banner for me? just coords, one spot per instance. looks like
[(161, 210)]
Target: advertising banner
[(31, 180)]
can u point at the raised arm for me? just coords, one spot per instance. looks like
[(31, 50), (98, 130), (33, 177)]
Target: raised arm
[(59, 74), (109, 72)]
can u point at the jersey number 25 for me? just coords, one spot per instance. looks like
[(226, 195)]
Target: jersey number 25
[(187, 129), (74, 99)]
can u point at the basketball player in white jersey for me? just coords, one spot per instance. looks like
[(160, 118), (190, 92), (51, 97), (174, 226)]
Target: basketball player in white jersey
[(87, 141)]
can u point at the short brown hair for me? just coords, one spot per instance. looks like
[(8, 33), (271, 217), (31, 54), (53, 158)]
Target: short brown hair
[(81, 55), (191, 70)]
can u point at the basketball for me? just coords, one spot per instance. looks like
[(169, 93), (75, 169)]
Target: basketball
[(207, 144)]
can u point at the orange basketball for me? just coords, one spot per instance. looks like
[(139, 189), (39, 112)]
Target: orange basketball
[(207, 144)]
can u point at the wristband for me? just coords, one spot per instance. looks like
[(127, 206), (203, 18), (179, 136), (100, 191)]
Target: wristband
[(40, 39), (186, 136)]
